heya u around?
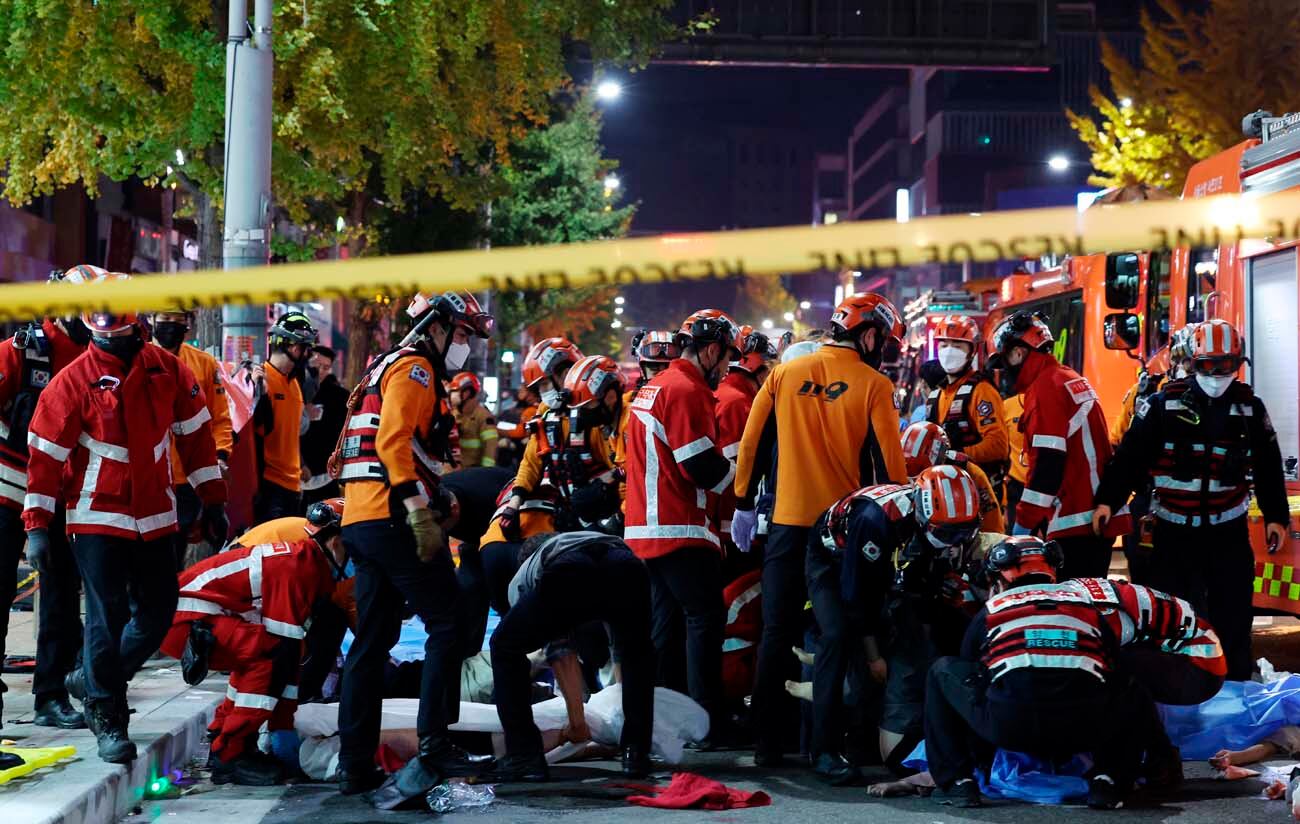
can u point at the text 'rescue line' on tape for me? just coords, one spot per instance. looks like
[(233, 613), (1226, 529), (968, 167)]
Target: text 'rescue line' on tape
[(866, 245)]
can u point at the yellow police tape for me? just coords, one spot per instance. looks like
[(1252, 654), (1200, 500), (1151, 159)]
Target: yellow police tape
[(851, 245)]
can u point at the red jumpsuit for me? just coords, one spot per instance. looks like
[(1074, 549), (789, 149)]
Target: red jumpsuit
[(735, 398), (257, 601)]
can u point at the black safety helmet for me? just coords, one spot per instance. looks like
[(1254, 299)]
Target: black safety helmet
[(292, 327)]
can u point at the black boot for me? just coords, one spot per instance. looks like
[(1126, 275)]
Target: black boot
[(351, 783), (636, 763), (107, 720), (247, 769), (55, 711), (75, 683), (515, 768), (440, 755)]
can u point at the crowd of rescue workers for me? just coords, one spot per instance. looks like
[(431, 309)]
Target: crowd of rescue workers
[(748, 511)]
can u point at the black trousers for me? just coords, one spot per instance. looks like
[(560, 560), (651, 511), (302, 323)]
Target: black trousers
[(473, 599), (1213, 569), (274, 501), (1014, 490), (131, 592), (188, 509), (1086, 556), (58, 634), (324, 639), (688, 582), (965, 721), (773, 710), (614, 589), (839, 650), (389, 574)]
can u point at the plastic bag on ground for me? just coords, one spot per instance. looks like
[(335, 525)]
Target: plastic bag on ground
[(678, 719), (1020, 776), (1242, 714), (449, 797)]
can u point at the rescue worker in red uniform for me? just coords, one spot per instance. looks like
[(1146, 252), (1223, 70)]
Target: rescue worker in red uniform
[(387, 464), (246, 611), (735, 398), (1206, 443), (654, 351), (833, 422), (100, 443), (1053, 669), (169, 330), (673, 463), (28, 361), (278, 421), (1066, 446), (968, 405)]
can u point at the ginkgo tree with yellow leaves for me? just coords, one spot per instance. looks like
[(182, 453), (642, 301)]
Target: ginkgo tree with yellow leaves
[(371, 98), (1201, 70)]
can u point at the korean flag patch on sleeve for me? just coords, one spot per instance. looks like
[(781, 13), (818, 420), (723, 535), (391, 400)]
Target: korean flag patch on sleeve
[(420, 375)]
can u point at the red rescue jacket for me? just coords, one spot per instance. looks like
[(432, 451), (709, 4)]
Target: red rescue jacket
[(100, 443), (735, 398)]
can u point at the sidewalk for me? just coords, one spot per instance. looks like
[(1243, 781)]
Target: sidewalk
[(167, 727)]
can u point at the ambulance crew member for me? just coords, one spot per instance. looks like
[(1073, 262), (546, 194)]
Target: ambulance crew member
[(654, 350), (832, 418), (735, 398), (28, 361), (673, 463), (387, 466), (246, 611), (1066, 446), (328, 411), (477, 427), (968, 405), (278, 420), (849, 568), (925, 445), (169, 331), (564, 581), (1046, 668), (1207, 443), (100, 442)]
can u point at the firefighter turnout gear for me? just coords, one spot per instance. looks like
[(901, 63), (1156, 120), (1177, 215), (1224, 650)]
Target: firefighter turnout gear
[(478, 437), (969, 409)]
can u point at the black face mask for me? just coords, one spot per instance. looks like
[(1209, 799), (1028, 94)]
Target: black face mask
[(78, 331), (123, 347), (168, 334)]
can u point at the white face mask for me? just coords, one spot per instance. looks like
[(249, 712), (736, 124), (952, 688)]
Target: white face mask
[(952, 359), (1215, 385), (551, 397), (456, 355), (1180, 372)]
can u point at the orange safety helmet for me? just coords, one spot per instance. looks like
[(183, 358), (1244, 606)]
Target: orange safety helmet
[(106, 324), (1017, 556), (857, 311), (656, 347), (452, 309), (324, 514), (959, 328), (756, 351), (1217, 348), (547, 357), (710, 326), (465, 380), (924, 445), (1021, 329), (590, 380), (947, 505)]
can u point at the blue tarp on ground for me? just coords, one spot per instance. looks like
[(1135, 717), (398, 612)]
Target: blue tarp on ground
[(410, 644)]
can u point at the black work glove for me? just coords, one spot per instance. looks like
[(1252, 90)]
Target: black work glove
[(216, 526), (953, 430), (38, 549), (509, 520)]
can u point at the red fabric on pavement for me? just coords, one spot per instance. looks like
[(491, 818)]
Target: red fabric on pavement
[(689, 791)]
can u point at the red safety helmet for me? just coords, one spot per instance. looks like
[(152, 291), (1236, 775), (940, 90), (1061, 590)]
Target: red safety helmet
[(590, 379), (451, 309), (947, 505), (710, 326), (547, 357), (924, 445), (465, 380), (656, 347), (1217, 348), (106, 324), (324, 514), (756, 351), (1021, 329), (959, 328), (1017, 556), (868, 309)]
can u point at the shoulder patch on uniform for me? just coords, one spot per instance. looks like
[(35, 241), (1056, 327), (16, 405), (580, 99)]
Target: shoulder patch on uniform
[(1080, 390), (1141, 408), (984, 408), (420, 375), (40, 378), (645, 397), (871, 551)]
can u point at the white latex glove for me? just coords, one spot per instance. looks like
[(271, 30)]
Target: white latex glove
[(743, 526)]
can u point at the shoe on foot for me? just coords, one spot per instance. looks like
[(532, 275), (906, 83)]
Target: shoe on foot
[(247, 770), (440, 755), (636, 763), (963, 794), (75, 683), (355, 783), (107, 720), (1104, 793), (57, 712), (517, 768), (835, 770)]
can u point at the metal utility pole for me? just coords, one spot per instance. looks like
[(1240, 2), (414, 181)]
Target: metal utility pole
[(246, 238)]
